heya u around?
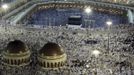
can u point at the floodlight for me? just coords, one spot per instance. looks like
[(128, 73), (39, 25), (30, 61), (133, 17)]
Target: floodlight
[(5, 6), (109, 23), (88, 10), (96, 52)]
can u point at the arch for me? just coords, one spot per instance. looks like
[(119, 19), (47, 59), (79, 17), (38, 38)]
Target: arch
[(52, 65), (15, 62), (44, 64), (5, 60), (18, 61), (48, 65), (55, 65), (58, 64), (12, 62), (24, 60), (21, 61), (41, 63)]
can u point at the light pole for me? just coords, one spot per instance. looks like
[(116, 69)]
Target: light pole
[(96, 54), (108, 23), (5, 7), (88, 11)]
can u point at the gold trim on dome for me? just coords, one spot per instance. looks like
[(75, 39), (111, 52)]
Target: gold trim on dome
[(52, 60), (52, 57), (16, 54), (16, 57)]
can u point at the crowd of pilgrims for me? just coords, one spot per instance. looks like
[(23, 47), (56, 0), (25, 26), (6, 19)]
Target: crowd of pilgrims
[(116, 46)]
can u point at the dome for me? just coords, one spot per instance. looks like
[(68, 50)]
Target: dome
[(16, 46), (51, 49), (16, 54), (51, 56)]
